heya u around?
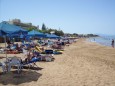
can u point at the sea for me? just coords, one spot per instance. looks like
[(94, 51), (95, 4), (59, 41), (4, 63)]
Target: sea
[(103, 40)]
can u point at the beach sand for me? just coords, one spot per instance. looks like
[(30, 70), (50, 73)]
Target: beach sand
[(81, 64)]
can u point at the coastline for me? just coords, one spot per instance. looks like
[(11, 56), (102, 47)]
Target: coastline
[(104, 41), (82, 64)]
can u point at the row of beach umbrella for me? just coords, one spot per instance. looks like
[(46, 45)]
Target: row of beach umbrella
[(12, 30), (9, 30)]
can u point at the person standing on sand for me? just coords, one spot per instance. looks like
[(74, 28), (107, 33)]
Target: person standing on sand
[(112, 43)]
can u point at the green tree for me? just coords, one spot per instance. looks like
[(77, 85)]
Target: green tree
[(30, 28), (75, 34), (59, 33), (43, 27)]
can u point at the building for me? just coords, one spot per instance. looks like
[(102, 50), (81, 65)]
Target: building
[(18, 22)]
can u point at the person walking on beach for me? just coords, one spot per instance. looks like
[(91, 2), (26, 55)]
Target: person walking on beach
[(112, 43)]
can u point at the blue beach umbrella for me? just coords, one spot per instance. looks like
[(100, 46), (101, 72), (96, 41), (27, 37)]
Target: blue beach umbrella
[(11, 29), (7, 29), (51, 36), (36, 33)]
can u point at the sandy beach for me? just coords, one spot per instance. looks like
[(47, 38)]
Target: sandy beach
[(81, 64)]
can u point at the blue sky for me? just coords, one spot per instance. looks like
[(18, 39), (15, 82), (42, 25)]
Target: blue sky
[(71, 16)]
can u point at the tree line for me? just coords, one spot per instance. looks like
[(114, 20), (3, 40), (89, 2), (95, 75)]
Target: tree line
[(45, 29)]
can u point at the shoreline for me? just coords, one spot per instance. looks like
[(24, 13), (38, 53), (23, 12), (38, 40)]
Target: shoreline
[(100, 41)]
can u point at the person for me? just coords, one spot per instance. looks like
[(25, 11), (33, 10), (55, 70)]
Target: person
[(8, 43), (112, 43)]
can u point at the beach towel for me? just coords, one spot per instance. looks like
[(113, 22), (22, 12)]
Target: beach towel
[(38, 48)]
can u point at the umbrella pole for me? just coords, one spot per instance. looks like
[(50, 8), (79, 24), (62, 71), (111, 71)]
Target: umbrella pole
[(5, 46)]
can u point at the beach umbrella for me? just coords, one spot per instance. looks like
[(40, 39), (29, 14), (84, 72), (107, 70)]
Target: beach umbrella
[(1, 34), (36, 33), (7, 29), (51, 36), (11, 29)]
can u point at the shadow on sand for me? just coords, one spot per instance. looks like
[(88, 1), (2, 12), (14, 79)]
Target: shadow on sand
[(1, 57), (14, 78), (30, 68)]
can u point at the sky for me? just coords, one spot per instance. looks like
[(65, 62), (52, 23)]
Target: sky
[(71, 16)]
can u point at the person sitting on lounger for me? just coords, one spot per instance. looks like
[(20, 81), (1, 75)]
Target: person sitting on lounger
[(33, 57), (29, 56)]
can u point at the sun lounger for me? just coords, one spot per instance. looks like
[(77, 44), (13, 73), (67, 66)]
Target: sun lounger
[(14, 61), (3, 65), (32, 62), (1, 51)]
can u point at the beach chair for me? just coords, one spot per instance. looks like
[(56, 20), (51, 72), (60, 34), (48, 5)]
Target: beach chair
[(31, 63), (14, 61), (49, 51), (1, 51), (3, 65)]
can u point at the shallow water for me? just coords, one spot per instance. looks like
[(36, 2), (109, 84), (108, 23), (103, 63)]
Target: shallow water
[(103, 40)]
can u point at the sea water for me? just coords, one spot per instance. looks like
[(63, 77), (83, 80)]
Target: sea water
[(103, 40)]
